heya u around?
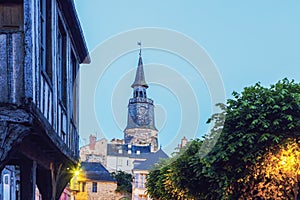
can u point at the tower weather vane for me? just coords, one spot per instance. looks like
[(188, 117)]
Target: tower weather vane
[(140, 44)]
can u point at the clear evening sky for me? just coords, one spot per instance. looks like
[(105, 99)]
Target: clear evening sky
[(248, 41)]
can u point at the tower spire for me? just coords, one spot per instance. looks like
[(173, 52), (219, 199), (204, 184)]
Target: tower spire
[(140, 44), (140, 77), (140, 130)]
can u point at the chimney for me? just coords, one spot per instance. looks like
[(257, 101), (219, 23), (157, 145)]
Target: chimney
[(184, 141), (92, 142)]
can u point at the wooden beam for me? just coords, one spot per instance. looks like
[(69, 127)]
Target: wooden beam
[(44, 182), (28, 179), (34, 152)]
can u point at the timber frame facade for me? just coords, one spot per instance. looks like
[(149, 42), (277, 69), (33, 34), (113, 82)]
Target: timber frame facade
[(41, 47)]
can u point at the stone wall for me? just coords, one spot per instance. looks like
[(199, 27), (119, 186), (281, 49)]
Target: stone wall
[(105, 191), (96, 154)]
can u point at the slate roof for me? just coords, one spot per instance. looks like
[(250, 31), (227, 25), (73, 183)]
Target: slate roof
[(113, 150), (151, 160), (139, 76), (96, 171)]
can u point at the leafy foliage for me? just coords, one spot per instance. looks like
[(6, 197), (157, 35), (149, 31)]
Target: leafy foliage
[(257, 120), (124, 181), (261, 123), (175, 179), (275, 176)]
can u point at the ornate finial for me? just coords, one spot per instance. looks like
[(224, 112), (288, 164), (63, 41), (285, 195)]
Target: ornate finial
[(140, 44)]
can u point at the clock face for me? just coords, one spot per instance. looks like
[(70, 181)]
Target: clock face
[(140, 114)]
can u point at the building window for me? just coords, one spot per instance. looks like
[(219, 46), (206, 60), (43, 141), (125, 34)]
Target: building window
[(143, 180), (140, 180), (61, 63), (44, 38), (74, 87), (11, 15), (63, 136), (120, 163), (136, 181), (6, 179), (94, 188), (83, 184)]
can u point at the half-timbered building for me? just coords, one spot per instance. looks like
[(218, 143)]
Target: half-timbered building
[(41, 47)]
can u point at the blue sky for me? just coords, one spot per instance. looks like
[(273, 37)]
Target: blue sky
[(247, 42)]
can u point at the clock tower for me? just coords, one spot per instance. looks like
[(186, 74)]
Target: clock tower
[(140, 129)]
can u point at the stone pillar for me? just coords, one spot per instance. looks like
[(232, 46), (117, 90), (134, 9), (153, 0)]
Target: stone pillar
[(28, 179)]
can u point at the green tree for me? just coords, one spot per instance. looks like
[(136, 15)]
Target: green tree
[(275, 176), (260, 123), (180, 177), (257, 121), (156, 184), (124, 181)]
